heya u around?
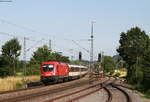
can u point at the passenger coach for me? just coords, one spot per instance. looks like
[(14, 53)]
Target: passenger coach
[(77, 71)]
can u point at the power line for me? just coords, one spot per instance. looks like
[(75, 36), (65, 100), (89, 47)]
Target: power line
[(20, 26), (78, 45), (34, 44), (5, 0), (84, 40), (8, 34)]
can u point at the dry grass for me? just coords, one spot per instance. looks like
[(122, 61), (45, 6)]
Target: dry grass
[(33, 78), (122, 73), (12, 83)]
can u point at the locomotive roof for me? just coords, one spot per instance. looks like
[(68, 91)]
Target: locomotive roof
[(53, 61), (70, 65)]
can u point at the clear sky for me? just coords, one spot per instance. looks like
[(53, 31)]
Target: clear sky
[(61, 20)]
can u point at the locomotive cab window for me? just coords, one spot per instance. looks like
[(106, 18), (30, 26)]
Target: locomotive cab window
[(48, 67)]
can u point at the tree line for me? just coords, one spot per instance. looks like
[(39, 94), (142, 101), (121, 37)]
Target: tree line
[(10, 63)]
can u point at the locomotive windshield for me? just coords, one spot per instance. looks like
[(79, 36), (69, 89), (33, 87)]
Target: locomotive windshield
[(48, 67)]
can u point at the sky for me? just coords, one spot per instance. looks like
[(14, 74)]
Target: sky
[(62, 21)]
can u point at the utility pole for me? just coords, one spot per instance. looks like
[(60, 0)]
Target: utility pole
[(50, 45), (91, 52), (102, 62), (24, 58), (71, 52)]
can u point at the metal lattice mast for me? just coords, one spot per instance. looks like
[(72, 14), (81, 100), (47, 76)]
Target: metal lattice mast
[(91, 52), (50, 45), (24, 58)]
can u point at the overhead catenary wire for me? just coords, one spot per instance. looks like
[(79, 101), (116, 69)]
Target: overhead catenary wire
[(78, 45), (5, 0), (8, 34), (21, 27), (34, 45), (26, 38), (35, 31)]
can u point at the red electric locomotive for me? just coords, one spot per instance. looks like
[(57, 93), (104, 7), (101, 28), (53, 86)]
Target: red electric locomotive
[(54, 71)]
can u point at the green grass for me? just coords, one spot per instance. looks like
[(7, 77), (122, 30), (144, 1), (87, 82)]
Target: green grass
[(147, 94), (19, 85)]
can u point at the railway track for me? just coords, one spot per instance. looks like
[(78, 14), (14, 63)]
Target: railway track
[(128, 98), (43, 92), (80, 93), (77, 95), (110, 95)]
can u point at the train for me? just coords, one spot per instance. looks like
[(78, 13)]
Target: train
[(55, 71)]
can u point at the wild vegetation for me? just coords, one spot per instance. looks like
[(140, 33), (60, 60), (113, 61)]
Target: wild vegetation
[(108, 64), (12, 83), (135, 49)]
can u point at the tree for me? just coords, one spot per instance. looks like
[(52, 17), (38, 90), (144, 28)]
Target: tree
[(11, 50), (58, 57), (4, 68), (133, 46), (108, 64), (120, 63), (146, 69), (43, 54)]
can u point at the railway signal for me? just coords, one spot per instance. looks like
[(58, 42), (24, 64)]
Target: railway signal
[(99, 57), (80, 56)]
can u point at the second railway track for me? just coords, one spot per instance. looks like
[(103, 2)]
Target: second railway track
[(32, 95)]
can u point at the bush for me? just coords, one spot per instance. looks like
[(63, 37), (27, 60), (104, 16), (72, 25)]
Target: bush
[(33, 70), (19, 85), (5, 71), (108, 64), (111, 73), (117, 74), (146, 84)]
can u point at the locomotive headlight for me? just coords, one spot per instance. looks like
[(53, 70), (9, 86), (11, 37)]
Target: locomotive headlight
[(51, 66)]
